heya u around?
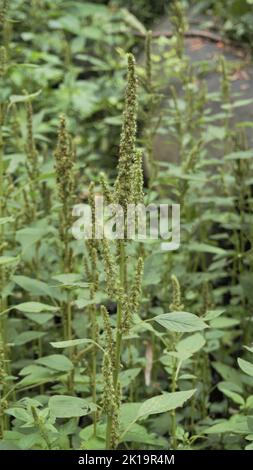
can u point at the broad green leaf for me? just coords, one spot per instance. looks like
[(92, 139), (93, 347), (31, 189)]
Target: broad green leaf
[(88, 431), (70, 279), (153, 269), (56, 361), (64, 406), (84, 300), (35, 307), (27, 337), (249, 447), (246, 366), (224, 322), (138, 433), (188, 346), (29, 236), (249, 402), (133, 21), (237, 103), (211, 314), (36, 374), (181, 322), (163, 403), (8, 445), (250, 423), (5, 260), (30, 440), (205, 248), (23, 98), (35, 286), (236, 425), (128, 376), (127, 414), (94, 443), (243, 154), (5, 220), (247, 285), (18, 413), (228, 373), (238, 399), (71, 343), (39, 318)]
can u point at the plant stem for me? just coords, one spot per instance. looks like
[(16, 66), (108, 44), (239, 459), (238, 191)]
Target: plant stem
[(119, 314), (94, 365), (3, 306), (116, 371)]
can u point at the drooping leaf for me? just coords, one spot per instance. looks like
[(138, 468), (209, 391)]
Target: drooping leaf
[(33, 286), (27, 337), (6, 260), (23, 98), (246, 366), (163, 403), (35, 307), (188, 346), (64, 406), (181, 322), (71, 343), (56, 361)]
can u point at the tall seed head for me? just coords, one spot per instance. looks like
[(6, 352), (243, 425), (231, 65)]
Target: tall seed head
[(109, 342), (110, 268), (64, 157), (123, 182), (131, 302), (137, 178), (105, 189), (3, 61), (109, 393), (176, 305)]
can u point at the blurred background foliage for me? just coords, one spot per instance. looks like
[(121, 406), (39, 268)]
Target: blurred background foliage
[(232, 17), (235, 17), (75, 52), (70, 57)]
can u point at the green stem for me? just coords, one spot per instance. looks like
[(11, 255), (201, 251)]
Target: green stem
[(173, 413), (116, 371), (3, 306), (94, 366), (119, 316)]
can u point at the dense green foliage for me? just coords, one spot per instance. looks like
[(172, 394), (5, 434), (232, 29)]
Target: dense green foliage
[(233, 17), (120, 344)]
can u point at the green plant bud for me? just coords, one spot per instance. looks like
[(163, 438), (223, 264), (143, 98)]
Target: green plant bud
[(176, 305), (105, 189)]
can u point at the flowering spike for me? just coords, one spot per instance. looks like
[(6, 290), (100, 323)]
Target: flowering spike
[(123, 182), (176, 305), (137, 178)]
